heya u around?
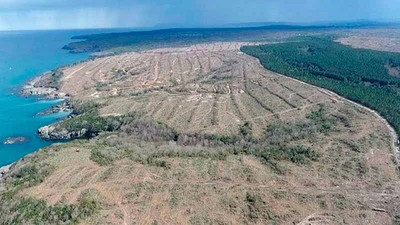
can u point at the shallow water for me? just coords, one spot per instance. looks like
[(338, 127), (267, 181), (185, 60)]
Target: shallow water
[(24, 55)]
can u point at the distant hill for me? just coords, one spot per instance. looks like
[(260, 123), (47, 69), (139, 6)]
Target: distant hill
[(137, 40)]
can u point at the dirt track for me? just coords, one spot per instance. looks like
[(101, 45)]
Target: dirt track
[(393, 134), (214, 88), (210, 88)]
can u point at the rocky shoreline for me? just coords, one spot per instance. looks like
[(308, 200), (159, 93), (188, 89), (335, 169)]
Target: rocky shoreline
[(51, 132), (63, 107), (4, 170), (46, 86)]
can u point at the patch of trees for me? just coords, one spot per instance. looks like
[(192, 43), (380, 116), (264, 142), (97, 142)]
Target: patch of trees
[(132, 124), (280, 142), (357, 74)]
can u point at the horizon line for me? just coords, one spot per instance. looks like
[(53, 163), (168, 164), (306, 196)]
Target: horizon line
[(228, 25)]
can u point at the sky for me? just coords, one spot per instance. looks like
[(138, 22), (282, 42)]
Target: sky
[(81, 14)]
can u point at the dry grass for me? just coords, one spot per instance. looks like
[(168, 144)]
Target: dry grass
[(351, 178), (209, 88), (382, 39), (214, 88), (238, 189)]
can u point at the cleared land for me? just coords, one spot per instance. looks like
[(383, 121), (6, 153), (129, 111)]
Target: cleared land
[(211, 88), (384, 39), (137, 41), (365, 76), (302, 154)]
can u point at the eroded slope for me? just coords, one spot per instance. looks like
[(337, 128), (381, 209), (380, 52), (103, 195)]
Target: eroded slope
[(212, 88), (290, 154)]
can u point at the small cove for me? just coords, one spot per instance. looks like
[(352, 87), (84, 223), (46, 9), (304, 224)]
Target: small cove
[(24, 55)]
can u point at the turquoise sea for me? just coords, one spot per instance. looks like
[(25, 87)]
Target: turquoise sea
[(24, 55)]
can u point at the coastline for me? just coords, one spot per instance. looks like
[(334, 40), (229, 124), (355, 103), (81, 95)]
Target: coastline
[(30, 88), (37, 52), (4, 170), (41, 105)]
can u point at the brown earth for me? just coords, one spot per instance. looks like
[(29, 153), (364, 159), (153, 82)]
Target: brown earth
[(393, 70), (210, 88), (209, 191), (214, 88), (382, 39)]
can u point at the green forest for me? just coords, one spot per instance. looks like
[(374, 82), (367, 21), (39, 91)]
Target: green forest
[(366, 76)]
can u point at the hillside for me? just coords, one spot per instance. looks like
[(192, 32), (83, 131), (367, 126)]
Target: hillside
[(202, 135), (143, 40), (366, 76)]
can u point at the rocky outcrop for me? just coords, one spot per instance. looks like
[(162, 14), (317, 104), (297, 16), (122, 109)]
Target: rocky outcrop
[(53, 132), (45, 85), (4, 172), (63, 107)]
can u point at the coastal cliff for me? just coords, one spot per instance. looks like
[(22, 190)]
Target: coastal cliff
[(45, 85), (52, 133)]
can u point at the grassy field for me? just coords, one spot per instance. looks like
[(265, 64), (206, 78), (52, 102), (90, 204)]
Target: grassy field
[(365, 76)]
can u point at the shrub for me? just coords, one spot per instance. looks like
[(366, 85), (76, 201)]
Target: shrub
[(136, 124), (30, 174), (246, 129), (280, 133), (32, 211), (257, 209), (105, 156), (298, 154), (396, 219)]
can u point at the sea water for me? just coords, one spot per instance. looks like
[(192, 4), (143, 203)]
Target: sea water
[(24, 55)]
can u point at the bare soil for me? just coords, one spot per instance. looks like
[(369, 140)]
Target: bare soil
[(382, 39), (210, 88), (214, 88)]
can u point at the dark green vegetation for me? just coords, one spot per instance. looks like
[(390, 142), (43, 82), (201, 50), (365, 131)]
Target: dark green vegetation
[(141, 40), (133, 123), (396, 219), (257, 209), (281, 141), (171, 37), (364, 76), (135, 137)]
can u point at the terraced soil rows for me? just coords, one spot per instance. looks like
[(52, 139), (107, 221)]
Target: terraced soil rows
[(168, 79), (216, 89)]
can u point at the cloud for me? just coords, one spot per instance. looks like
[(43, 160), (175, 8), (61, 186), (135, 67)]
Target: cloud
[(41, 14), (62, 14), (54, 19)]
